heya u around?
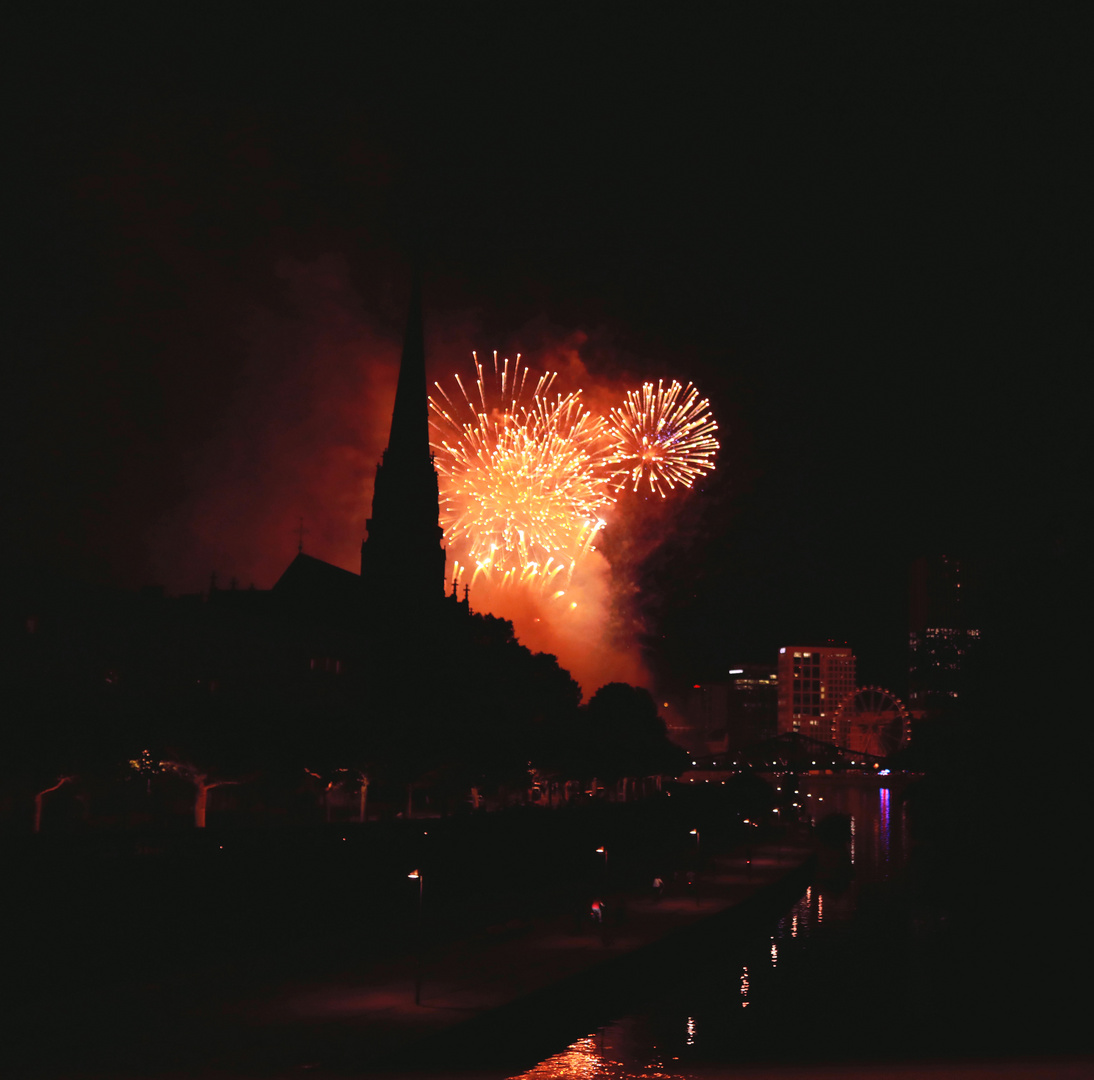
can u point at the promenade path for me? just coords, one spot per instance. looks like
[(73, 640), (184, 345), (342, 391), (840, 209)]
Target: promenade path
[(497, 984), (471, 987)]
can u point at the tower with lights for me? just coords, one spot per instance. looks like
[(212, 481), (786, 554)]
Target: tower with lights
[(943, 634)]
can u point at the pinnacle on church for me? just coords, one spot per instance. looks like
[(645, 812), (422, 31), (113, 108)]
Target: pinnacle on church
[(409, 439)]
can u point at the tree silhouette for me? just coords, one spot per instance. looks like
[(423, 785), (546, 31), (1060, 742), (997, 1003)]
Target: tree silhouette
[(625, 736)]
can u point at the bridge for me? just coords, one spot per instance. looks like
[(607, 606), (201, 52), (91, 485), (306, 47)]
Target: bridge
[(792, 752)]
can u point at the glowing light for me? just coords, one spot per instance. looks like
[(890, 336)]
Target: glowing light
[(663, 437), (523, 482), (528, 475), (579, 1061)]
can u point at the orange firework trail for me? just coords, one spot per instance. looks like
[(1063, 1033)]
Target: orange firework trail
[(663, 436), (523, 482)]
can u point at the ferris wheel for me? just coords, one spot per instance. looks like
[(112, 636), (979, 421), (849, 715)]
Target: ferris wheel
[(871, 720)]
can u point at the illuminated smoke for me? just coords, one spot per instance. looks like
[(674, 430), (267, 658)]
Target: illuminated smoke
[(663, 437), (304, 418), (528, 479), (310, 412)]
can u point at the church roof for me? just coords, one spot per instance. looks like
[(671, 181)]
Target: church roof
[(316, 584)]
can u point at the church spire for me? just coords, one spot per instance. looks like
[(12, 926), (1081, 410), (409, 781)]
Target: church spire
[(403, 560), (409, 437)]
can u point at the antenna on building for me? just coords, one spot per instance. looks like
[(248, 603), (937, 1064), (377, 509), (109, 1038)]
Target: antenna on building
[(299, 532)]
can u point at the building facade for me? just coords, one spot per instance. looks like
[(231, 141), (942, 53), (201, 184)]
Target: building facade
[(812, 682), (706, 710), (943, 633), (753, 704)]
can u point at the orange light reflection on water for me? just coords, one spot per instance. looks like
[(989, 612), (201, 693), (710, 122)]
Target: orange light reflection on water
[(586, 1060), (579, 1060)]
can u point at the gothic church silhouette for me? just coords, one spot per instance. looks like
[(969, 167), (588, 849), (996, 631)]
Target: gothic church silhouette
[(402, 578)]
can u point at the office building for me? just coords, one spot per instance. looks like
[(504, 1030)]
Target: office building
[(813, 680), (753, 704), (943, 632)]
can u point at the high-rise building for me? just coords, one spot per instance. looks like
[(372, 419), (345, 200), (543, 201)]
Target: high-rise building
[(943, 632), (813, 681), (753, 704)]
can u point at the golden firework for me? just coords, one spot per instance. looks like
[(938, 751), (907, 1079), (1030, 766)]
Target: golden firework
[(523, 478), (663, 436)]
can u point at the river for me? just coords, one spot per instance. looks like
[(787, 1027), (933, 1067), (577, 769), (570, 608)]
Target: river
[(866, 972)]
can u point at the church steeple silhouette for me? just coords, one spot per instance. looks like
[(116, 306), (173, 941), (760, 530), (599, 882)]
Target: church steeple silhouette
[(403, 558)]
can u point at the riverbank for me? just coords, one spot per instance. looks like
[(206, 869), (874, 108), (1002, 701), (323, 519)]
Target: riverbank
[(492, 1000), (501, 1002)]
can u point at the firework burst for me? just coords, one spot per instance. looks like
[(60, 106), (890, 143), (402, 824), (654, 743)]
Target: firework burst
[(663, 436), (523, 482)]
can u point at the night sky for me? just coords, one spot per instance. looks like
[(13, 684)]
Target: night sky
[(857, 228)]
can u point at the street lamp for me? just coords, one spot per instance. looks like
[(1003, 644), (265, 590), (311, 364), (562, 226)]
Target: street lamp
[(695, 833), (604, 851), (420, 878)]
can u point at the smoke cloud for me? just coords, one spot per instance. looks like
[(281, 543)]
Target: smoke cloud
[(306, 422), (594, 628)]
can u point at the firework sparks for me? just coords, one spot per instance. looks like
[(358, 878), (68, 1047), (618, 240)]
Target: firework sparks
[(664, 436), (523, 482)]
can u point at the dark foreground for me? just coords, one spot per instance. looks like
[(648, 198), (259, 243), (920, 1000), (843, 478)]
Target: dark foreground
[(207, 958), (900, 950)]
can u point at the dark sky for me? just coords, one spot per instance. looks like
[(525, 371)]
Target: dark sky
[(859, 228)]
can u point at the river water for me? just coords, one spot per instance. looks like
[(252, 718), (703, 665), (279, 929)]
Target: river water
[(864, 973)]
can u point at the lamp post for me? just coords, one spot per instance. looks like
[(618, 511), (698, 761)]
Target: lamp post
[(604, 851), (420, 877), (693, 874)]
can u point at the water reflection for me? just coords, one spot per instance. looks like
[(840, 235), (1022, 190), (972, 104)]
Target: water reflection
[(882, 827), (592, 1058), (717, 1009), (580, 1060)]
